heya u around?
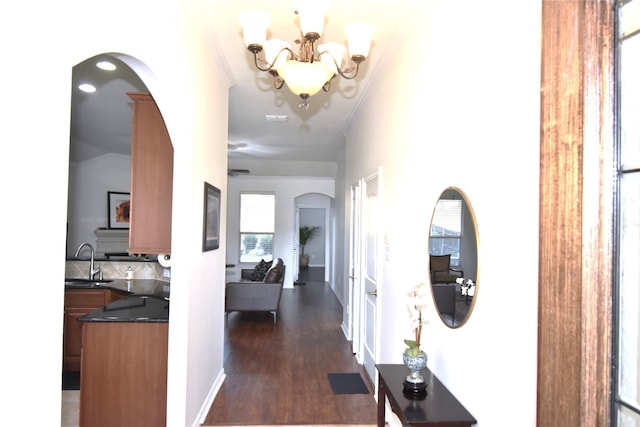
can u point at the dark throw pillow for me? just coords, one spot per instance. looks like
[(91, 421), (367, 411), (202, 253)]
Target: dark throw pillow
[(274, 275), (260, 270)]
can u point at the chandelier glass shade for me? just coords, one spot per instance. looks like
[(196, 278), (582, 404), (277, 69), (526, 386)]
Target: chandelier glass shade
[(305, 78), (310, 68)]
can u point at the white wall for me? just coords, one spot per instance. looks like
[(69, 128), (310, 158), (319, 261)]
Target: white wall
[(47, 40), (89, 182), (460, 102), (286, 190)]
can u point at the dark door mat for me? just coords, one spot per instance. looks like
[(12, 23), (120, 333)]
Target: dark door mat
[(347, 384), (70, 380)]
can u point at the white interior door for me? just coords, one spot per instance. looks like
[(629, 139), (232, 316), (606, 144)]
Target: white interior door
[(370, 273), (353, 304), (296, 244)]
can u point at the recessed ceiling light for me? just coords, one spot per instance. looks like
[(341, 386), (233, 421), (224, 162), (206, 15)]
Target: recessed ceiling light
[(86, 87), (276, 118), (106, 65)]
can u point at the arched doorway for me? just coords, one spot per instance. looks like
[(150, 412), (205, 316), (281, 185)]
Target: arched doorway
[(99, 165), (313, 210)]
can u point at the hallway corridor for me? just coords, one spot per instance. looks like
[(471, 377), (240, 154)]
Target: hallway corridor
[(277, 374)]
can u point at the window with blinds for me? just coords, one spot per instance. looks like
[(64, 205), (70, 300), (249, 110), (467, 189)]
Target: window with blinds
[(257, 226), (446, 229)]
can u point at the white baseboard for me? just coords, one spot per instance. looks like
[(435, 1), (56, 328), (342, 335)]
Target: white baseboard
[(345, 331), (206, 406)]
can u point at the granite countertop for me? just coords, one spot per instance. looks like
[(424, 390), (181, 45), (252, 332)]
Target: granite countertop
[(148, 302), (134, 308)]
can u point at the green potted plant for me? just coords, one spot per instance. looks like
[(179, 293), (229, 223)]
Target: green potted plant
[(307, 234)]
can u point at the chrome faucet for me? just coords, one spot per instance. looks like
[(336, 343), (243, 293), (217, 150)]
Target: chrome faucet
[(92, 269)]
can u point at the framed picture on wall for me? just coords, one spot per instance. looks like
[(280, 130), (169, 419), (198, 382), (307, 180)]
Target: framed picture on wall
[(119, 206), (211, 221)]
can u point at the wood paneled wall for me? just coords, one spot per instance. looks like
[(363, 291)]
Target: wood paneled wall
[(576, 211)]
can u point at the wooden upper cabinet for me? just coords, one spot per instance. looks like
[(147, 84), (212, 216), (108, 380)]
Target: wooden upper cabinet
[(151, 179)]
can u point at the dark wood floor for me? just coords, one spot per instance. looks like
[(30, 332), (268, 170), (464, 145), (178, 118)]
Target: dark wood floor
[(277, 374)]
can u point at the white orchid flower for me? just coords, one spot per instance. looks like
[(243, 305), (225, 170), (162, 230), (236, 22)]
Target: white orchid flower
[(413, 312), (418, 300), (466, 288)]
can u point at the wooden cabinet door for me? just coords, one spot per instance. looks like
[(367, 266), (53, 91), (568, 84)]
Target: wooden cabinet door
[(124, 374), (77, 303), (151, 179), (72, 342)]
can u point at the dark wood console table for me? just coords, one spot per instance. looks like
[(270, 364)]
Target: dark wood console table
[(438, 408)]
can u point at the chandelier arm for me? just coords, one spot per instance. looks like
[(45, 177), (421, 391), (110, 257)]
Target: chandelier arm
[(327, 86), (275, 59), (278, 81), (255, 62), (270, 67), (344, 74)]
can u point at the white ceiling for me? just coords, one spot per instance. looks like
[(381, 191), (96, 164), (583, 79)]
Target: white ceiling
[(102, 121)]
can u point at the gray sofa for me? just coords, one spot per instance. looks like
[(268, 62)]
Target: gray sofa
[(248, 295)]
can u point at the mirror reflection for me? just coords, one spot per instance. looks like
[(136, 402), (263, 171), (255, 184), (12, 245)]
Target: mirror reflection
[(453, 257)]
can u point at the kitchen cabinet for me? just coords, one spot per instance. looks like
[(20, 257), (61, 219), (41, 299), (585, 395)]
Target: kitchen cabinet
[(77, 303), (151, 179), (123, 381)]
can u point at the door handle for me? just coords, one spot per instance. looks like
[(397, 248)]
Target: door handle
[(373, 293)]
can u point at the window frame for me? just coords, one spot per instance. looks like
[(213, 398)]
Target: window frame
[(618, 402), (245, 258), (455, 260), (619, 405)]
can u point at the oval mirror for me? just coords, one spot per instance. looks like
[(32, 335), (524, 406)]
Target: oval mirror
[(453, 257)]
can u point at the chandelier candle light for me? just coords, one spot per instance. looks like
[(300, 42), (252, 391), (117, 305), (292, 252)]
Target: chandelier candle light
[(414, 358), (312, 67)]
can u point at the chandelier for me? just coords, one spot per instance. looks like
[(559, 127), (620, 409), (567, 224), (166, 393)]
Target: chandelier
[(312, 67)]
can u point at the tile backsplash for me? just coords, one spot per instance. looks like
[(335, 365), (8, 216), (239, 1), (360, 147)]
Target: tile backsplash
[(115, 269)]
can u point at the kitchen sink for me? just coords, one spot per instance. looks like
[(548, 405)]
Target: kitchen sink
[(84, 283)]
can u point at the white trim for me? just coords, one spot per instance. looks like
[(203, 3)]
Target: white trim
[(208, 402)]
